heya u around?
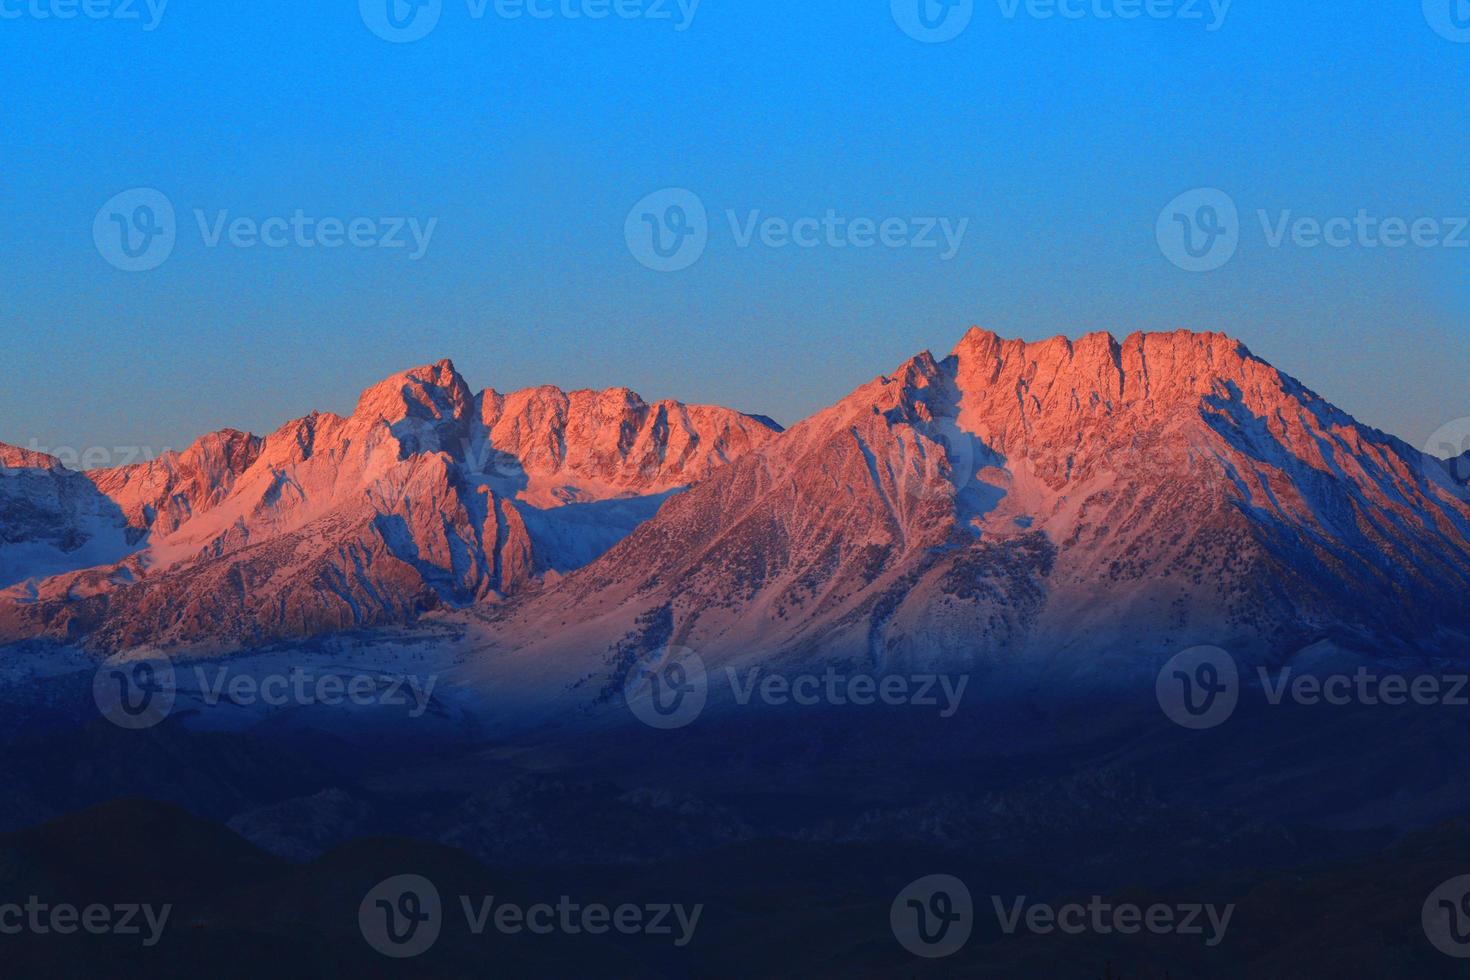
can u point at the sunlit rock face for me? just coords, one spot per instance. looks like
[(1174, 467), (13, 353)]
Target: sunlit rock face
[(427, 495), (1050, 503)]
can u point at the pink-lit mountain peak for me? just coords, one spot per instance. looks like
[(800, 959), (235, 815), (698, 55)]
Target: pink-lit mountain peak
[(1162, 490), (425, 494), (435, 392)]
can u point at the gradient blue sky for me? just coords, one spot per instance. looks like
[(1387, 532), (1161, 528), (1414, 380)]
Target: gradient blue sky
[(530, 140)]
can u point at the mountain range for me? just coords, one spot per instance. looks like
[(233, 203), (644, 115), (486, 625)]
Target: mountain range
[(427, 496), (1011, 500), (1042, 523)]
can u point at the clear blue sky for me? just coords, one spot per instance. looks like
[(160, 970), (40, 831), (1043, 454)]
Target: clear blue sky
[(531, 139)]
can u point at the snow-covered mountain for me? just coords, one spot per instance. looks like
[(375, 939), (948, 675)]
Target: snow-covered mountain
[(1060, 502), (55, 520), (427, 495), (1012, 501)]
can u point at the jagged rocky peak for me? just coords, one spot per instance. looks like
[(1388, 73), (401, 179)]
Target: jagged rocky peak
[(160, 494), (1089, 495), (14, 457), (426, 494), (1079, 398), (614, 438), (1158, 366), (435, 392)]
